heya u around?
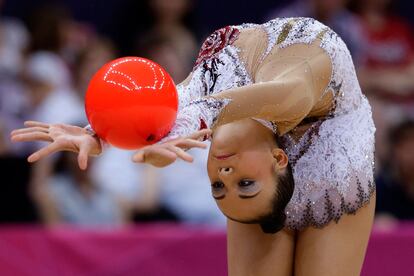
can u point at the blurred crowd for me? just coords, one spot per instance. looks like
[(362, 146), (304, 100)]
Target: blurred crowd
[(48, 58), (46, 62)]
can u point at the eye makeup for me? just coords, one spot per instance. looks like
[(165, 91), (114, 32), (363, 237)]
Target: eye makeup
[(246, 189), (218, 190)]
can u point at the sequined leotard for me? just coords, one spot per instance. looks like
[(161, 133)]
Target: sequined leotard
[(330, 144)]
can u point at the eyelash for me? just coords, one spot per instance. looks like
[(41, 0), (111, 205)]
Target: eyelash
[(244, 183), (217, 185)]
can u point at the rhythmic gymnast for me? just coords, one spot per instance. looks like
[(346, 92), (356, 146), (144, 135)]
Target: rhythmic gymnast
[(292, 142)]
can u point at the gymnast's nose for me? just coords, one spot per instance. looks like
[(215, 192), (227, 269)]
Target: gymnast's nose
[(225, 170)]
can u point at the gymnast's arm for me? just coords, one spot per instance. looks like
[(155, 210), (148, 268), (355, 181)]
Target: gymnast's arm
[(288, 87)]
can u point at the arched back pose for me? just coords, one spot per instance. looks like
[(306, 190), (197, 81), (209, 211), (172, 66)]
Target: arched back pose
[(292, 146)]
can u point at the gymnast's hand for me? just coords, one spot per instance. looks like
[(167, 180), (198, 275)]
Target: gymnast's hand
[(61, 137), (164, 154)]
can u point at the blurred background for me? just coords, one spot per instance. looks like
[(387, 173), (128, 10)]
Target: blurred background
[(49, 50)]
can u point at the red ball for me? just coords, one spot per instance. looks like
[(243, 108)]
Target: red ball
[(131, 102)]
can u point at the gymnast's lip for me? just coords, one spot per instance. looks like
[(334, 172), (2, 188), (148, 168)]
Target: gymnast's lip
[(224, 156)]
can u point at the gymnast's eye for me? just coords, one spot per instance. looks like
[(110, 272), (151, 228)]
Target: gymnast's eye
[(244, 183), (218, 190), (217, 185)]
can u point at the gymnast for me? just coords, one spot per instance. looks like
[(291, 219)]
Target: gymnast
[(292, 142)]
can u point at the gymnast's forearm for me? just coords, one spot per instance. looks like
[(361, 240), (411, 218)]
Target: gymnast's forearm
[(286, 99), (288, 86), (284, 102)]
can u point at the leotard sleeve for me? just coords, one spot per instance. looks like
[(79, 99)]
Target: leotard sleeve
[(197, 109)]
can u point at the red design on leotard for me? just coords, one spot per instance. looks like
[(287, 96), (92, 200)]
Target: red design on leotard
[(216, 42)]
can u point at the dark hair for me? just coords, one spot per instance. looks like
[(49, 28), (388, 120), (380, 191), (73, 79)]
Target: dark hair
[(274, 221)]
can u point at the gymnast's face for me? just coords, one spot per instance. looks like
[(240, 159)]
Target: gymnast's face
[(243, 166)]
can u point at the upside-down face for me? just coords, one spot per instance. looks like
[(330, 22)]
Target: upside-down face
[(244, 165)]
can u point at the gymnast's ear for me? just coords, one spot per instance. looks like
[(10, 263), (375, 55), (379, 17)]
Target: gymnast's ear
[(281, 159)]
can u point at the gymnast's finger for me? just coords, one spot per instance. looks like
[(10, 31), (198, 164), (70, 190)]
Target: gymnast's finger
[(139, 156), (190, 143), (29, 137), (29, 129), (199, 135), (150, 153), (36, 124), (144, 154), (43, 152), (180, 153)]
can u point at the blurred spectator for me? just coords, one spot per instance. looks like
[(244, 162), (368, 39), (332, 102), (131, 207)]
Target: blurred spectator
[(53, 29), (46, 23), (15, 201), (70, 196), (334, 14), (114, 171), (89, 60), (138, 186), (180, 191), (14, 40), (47, 74), (168, 41), (387, 74), (186, 190), (149, 206), (76, 37), (14, 109), (135, 186), (50, 88), (160, 48), (395, 183)]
